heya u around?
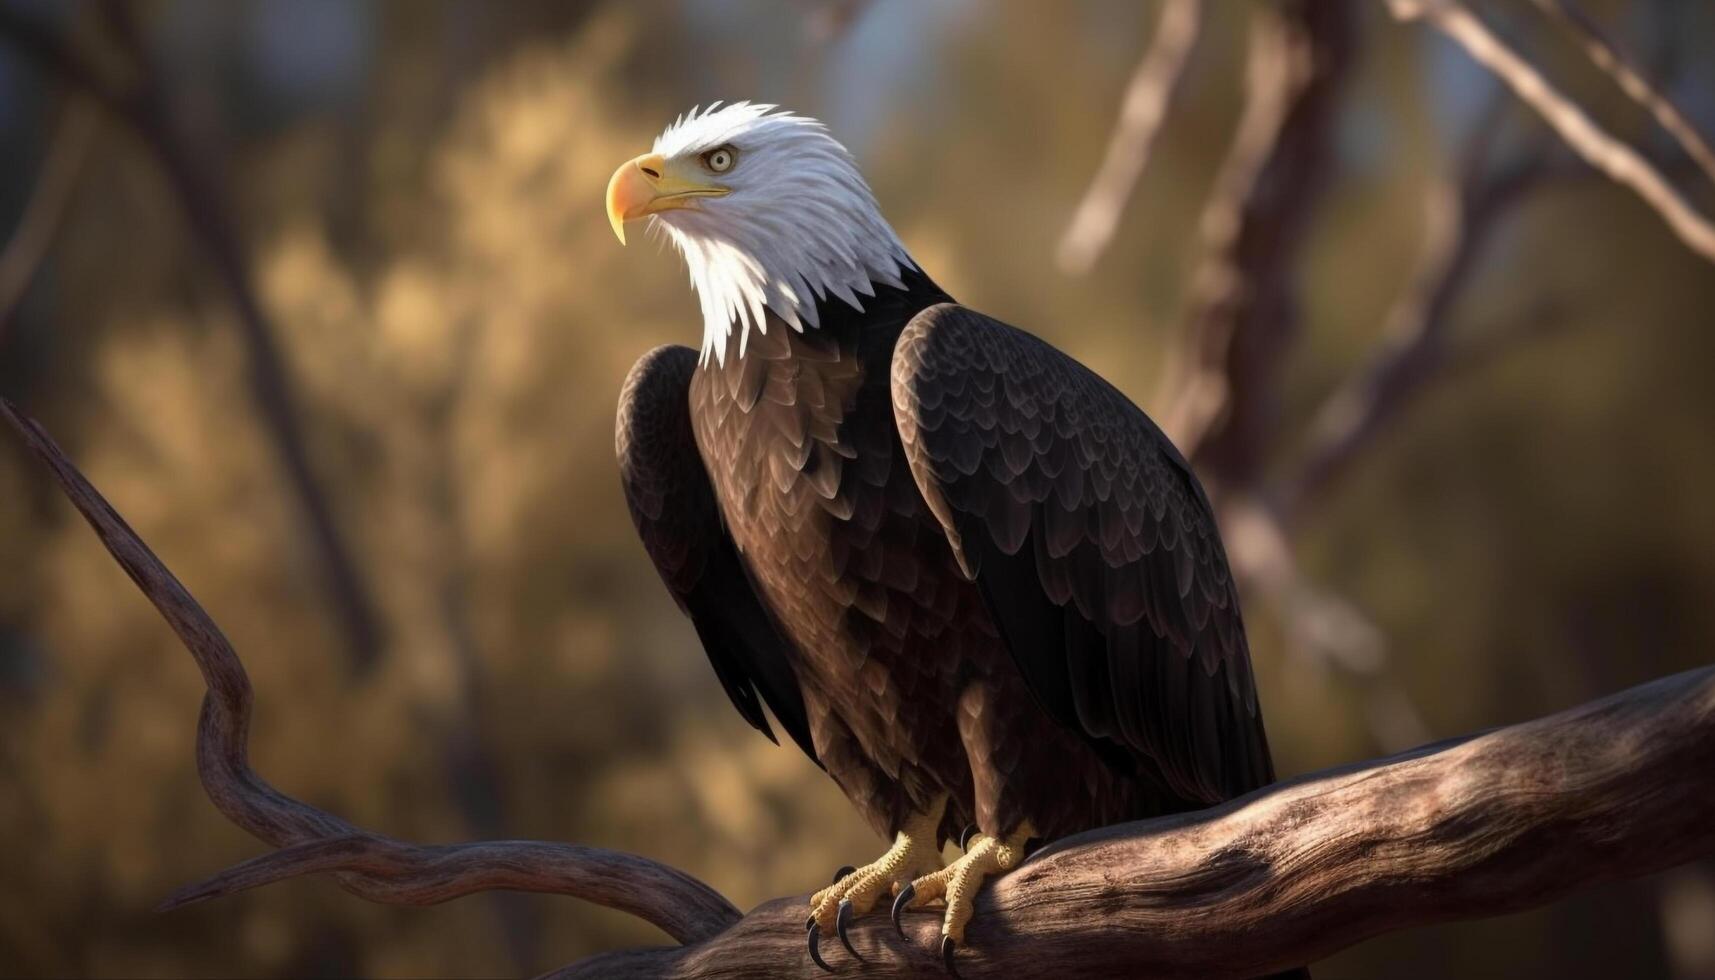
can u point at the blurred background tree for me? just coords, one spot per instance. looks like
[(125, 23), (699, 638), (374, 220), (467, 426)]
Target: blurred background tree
[(451, 628)]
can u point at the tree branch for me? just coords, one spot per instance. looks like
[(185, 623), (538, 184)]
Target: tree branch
[(1291, 873), (368, 865), (1475, 827), (1622, 163), (1608, 57), (1147, 98), (1223, 383), (1461, 215), (1242, 313)]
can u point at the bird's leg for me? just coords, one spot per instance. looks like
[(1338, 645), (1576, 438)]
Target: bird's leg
[(958, 884), (915, 851)]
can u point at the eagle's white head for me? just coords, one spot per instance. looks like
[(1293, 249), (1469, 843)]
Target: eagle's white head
[(768, 210)]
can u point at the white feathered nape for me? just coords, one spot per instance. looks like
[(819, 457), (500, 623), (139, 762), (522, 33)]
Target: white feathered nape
[(799, 225)]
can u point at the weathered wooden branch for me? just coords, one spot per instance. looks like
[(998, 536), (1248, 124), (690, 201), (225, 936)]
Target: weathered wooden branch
[(311, 840), (143, 106), (1147, 98), (1474, 827), (1462, 829), (1620, 162)]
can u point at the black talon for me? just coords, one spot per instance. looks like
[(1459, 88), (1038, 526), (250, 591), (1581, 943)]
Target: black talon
[(948, 948), (901, 903), (840, 875), (1034, 848), (841, 921), (816, 947), (965, 836), (809, 922)]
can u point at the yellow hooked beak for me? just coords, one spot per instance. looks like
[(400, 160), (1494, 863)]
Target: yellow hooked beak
[(650, 184)]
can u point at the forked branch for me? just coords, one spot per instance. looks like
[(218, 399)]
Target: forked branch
[(1620, 162), (1289, 874), (366, 864), (1462, 216), (1606, 55)]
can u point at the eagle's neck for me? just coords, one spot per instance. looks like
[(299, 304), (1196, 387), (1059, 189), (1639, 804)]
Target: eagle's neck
[(750, 264), (833, 330)]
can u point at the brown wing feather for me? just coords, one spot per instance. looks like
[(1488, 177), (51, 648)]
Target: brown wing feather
[(673, 505), (1094, 544)]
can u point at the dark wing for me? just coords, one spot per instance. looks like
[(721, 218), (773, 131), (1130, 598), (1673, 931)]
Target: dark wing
[(673, 506), (1093, 543)]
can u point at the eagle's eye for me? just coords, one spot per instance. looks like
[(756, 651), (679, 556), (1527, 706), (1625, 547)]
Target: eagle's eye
[(720, 159)]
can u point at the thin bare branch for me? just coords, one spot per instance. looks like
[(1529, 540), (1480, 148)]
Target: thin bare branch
[(1147, 99), (382, 869), (369, 865), (46, 209), (1607, 56), (1461, 218), (1241, 317), (1623, 164), (1474, 827)]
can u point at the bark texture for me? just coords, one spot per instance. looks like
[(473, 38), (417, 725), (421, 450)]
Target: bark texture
[(1464, 829)]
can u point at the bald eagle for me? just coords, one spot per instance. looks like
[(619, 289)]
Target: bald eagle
[(968, 577)]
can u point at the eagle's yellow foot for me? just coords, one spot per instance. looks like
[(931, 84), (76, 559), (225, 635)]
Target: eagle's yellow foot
[(958, 884), (914, 852)]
